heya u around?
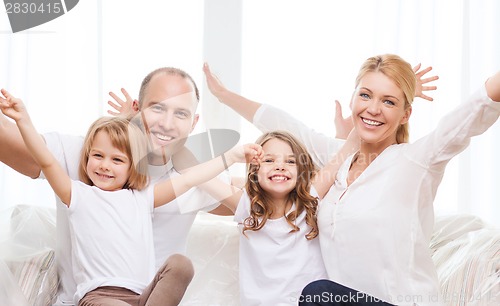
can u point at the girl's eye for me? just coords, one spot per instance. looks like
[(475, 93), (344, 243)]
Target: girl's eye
[(97, 155), (291, 162), (268, 160), (117, 160)]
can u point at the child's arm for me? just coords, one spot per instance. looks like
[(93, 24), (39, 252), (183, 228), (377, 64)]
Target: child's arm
[(58, 179), (227, 194), (325, 177), (166, 191)]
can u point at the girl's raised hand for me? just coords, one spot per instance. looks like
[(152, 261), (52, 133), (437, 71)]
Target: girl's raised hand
[(248, 153), (12, 107)]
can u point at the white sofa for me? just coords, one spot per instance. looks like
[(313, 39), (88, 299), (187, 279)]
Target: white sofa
[(465, 249)]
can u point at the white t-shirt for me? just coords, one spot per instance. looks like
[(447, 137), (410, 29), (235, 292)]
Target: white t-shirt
[(375, 238), (111, 238), (170, 225), (275, 265)]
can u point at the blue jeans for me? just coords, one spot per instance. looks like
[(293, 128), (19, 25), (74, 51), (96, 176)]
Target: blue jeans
[(324, 292)]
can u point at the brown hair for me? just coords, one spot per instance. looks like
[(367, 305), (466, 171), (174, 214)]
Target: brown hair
[(401, 73), (260, 203), (127, 138), (168, 71)]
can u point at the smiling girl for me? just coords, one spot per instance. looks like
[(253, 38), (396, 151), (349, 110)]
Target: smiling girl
[(276, 215), (110, 211)]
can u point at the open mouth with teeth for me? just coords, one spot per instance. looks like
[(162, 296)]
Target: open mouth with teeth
[(104, 176), (371, 122), (162, 137), (279, 178)]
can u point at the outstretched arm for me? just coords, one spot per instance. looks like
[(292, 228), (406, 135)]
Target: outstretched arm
[(58, 179), (166, 191), (325, 177), (13, 151), (243, 106), (320, 146)]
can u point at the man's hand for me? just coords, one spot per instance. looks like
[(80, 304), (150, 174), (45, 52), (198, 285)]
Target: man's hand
[(125, 109)]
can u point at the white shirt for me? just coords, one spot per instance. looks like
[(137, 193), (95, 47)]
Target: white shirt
[(170, 225), (376, 238), (112, 238), (275, 265)]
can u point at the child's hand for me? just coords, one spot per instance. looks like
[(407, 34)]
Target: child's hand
[(249, 153), (12, 107)]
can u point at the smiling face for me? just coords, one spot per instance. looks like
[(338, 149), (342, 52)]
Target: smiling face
[(378, 109), (277, 174), (107, 167), (168, 108)]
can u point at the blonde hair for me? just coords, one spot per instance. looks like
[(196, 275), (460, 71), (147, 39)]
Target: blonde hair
[(402, 74), (260, 203), (127, 138)]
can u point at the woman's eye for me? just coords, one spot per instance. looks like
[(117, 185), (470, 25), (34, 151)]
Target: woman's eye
[(389, 102), (364, 96)]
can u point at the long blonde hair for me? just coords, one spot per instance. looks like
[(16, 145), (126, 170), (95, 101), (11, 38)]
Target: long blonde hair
[(401, 73), (126, 137), (260, 203)]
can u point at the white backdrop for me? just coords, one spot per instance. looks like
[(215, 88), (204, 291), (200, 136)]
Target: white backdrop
[(299, 55)]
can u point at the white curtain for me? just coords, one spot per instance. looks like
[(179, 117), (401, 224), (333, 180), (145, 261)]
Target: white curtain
[(295, 54)]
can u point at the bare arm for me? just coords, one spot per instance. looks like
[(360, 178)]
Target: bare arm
[(325, 178), (227, 195), (13, 151), (493, 87), (167, 190), (56, 176), (243, 106)]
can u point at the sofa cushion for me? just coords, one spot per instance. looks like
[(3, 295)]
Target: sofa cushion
[(466, 252)]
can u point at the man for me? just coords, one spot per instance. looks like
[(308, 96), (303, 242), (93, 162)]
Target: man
[(168, 99)]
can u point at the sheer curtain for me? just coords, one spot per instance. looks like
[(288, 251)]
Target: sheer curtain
[(295, 54)]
